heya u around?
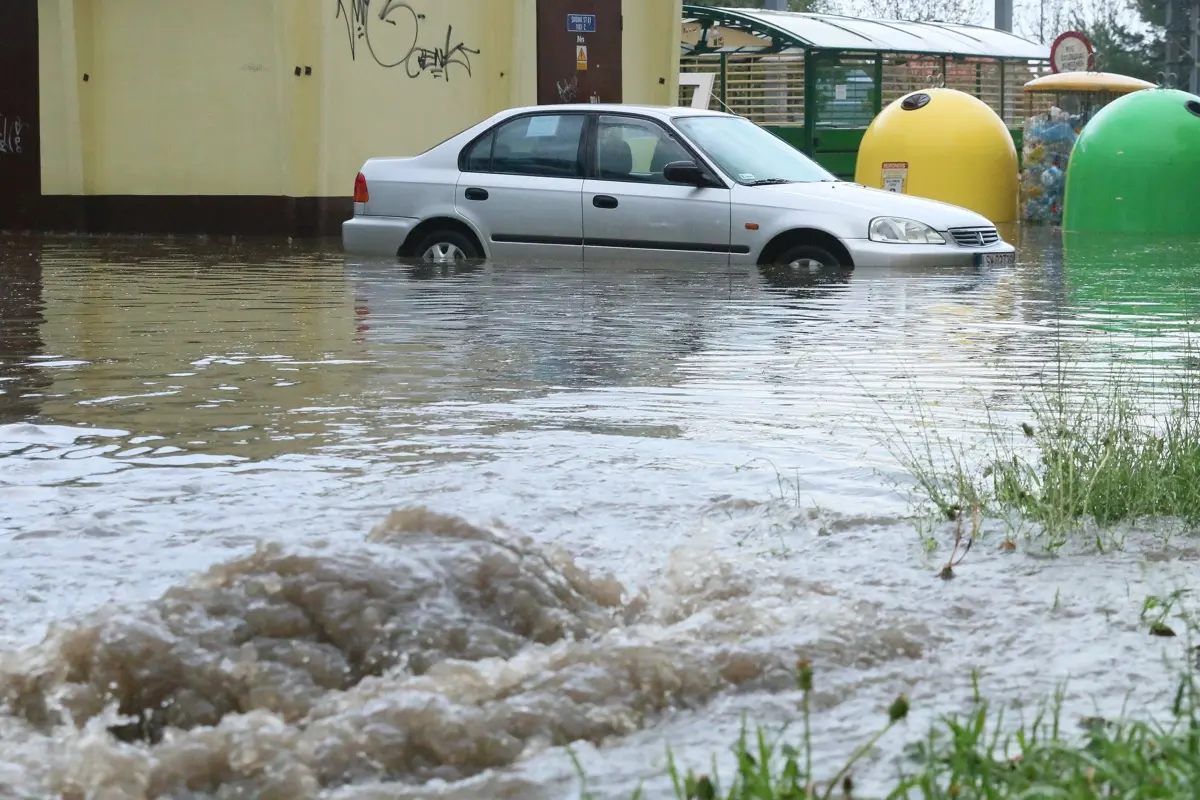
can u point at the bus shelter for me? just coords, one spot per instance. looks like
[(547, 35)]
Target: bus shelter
[(817, 80)]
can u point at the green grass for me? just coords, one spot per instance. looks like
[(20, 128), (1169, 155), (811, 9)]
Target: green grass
[(1106, 458), (975, 756), (1123, 452)]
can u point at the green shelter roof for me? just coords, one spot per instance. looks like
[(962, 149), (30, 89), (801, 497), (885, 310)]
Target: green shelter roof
[(786, 30)]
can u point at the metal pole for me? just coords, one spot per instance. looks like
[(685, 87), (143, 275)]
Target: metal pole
[(1194, 50), (1172, 48), (1004, 15)]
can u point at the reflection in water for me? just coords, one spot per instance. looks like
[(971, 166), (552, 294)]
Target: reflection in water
[(485, 335), (1133, 282), (232, 350), (428, 272), (24, 375), (700, 433), (818, 278), (1143, 296)]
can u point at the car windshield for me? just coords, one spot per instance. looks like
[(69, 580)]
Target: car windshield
[(749, 154)]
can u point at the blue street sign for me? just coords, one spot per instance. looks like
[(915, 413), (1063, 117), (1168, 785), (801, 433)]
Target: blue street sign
[(581, 23)]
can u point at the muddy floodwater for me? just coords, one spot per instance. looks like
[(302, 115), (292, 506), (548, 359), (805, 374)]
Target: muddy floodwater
[(275, 524)]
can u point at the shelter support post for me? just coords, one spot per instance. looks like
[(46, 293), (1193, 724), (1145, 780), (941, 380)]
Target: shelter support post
[(810, 100), (1182, 42), (1003, 91), (877, 105), (724, 81)]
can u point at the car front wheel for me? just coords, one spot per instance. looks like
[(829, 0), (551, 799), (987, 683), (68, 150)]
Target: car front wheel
[(446, 247), (806, 256)]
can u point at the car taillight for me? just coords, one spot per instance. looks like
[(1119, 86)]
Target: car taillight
[(361, 195)]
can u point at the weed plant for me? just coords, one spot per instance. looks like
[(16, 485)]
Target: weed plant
[(975, 756), (1119, 453), (1106, 458)]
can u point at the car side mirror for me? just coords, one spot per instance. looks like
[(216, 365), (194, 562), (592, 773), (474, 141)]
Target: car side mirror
[(685, 172)]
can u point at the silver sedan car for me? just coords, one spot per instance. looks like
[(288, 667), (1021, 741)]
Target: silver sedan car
[(595, 182)]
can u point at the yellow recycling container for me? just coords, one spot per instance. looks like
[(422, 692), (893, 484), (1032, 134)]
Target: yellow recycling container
[(945, 145), (1107, 85)]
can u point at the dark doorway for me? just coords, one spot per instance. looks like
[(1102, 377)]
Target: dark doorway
[(20, 155), (579, 51)]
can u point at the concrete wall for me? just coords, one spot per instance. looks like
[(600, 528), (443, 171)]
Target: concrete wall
[(182, 98)]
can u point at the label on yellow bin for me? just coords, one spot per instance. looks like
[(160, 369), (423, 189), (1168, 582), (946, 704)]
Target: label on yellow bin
[(581, 57), (895, 176)]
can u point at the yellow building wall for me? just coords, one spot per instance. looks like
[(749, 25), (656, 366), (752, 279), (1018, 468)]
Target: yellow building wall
[(59, 123), (201, 98), (300, 46), (650, 51), (383, 96), (185, 96)]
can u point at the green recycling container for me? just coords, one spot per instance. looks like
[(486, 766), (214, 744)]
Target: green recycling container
[(1136, 167)]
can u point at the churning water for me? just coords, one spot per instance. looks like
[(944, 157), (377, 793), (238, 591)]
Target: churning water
[(276, 525)]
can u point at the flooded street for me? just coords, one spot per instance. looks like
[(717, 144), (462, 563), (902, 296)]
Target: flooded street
[(361, 530)]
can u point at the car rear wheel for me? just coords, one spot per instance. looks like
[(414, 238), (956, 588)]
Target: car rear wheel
[(806, 256), (446, 247)]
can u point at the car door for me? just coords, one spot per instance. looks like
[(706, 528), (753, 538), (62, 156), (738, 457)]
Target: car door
[(521, 187), (631, 212)]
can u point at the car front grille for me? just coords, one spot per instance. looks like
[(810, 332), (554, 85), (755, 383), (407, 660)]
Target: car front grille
[(974, 237)]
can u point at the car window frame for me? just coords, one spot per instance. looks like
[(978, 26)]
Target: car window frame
[(594, 153), (493, 131), (592, 156), (464, 156)]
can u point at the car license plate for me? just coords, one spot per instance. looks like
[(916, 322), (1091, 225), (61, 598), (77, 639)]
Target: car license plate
[(995, 259)]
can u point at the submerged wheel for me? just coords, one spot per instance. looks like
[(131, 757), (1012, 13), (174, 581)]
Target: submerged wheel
[(446, 246), (805, 266), (806, 256)]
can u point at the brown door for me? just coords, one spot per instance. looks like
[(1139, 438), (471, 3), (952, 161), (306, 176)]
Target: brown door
[(20, 155), (579, 51)]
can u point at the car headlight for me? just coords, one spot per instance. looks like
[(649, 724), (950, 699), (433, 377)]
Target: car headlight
[(897, 230)]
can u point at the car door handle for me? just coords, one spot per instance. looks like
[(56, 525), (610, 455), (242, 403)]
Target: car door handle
[(604, 201), (476, 194)]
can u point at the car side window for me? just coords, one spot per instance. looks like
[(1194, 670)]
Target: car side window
[(631, 149), (479, 157), (545, 145)]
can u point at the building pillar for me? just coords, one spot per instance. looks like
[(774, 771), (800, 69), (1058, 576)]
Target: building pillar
[(524, 60)]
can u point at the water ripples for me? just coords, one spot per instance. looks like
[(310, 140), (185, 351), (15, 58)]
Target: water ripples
[(683, 468)]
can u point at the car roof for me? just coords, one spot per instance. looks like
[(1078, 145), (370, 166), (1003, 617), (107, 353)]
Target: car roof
[(662, 112)]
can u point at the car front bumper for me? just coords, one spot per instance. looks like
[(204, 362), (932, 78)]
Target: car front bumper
[(375, 236), (867, 253)]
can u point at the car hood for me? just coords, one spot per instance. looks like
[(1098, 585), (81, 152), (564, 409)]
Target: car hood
[(842, 196)]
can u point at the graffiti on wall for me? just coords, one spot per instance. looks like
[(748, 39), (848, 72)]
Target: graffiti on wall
[(11, 131), (568, 90), (391, 31)]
